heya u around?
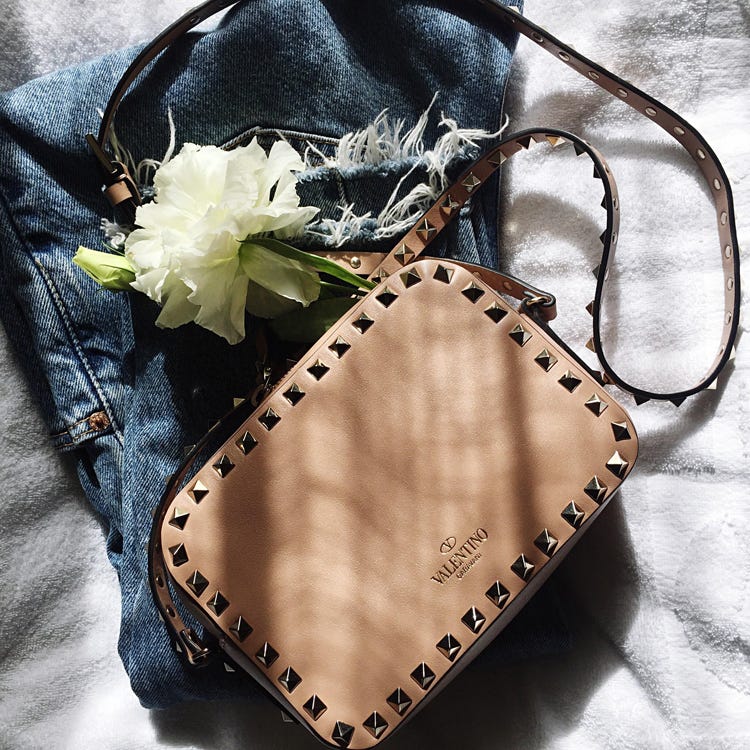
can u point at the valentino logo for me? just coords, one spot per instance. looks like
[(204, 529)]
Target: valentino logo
[(461, 560), (448, 545)]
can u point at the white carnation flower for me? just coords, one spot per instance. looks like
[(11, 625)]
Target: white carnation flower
[(186, 253)]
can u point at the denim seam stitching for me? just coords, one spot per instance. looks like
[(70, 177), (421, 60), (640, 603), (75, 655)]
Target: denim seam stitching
[(62, 309)]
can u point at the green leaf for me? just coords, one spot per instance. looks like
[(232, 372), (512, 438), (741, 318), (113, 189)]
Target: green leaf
[(113, 272), (322, 265), (283, 276), (264, 303), (307, 326)]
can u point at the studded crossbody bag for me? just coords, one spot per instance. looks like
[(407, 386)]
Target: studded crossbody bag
[(421, 471)]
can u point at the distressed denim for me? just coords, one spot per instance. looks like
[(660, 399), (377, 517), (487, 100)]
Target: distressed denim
[(125, 396)]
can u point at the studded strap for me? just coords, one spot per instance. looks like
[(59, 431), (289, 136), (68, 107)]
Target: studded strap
[(121, 190)]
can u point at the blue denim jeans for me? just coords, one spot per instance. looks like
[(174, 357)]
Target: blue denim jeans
[(125, 396)]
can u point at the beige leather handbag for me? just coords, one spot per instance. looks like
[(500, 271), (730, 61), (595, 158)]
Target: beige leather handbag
[(359, 537)]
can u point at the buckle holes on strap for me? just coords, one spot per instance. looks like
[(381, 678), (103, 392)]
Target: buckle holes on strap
[(679, 131), (701, 154), (622, 93), (537, 37), (728, 251), (650, 111), (194, 19), (717, 183), (564, 56), (724, 218), (730, 283), (593, 75), (170, 611), (159, 581), (729, 318), (508, 285), (616, 203)]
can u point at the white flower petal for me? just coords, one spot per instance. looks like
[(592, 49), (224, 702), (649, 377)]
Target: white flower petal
[(186, 252)]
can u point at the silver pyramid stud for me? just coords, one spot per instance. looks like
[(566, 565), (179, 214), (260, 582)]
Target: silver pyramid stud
[(597, 173), (387, 297), (596, 406), (545, 360), (198, 492), (603, 238), (640, 400), (240, 629), (289, 679), (618, 465), (423, 676), (314, 707), (410, 278), (474, 620), (573, 514), (229, 667), (591, 345), (713, 386), (197, 583), (363, 323), (399, 701), (546, 542), (375, 724), (267, 655), (217, 603), (179, 519), (342, 733), (569, 381), (595, 270), (556, 140), (318, 370), (443, 274), (520, 335), (449, 205), (340, 347), (426, 231), (294, 394), (495, 313), (223, 466), (580, 150), (497, 594), (590, 307), (596, 490), (179, 555), (498, 159), (620, 431), (523, 568), (238, 401), (471, 183), (270, 419), (382, 274), (679, 401), (246, 443), (403, 254), (473, 292), (524, 142), (187, 450), (448, 646)]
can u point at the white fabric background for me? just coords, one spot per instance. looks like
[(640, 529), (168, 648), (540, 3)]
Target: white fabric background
[(658, 591)]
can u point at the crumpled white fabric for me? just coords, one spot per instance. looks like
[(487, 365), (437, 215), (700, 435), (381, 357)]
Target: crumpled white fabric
[(658, 592)]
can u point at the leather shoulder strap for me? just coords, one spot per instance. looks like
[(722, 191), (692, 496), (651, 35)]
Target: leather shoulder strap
[(121, 190)]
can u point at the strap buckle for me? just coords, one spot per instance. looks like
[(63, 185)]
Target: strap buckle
[(119, 185), (196, 653)]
